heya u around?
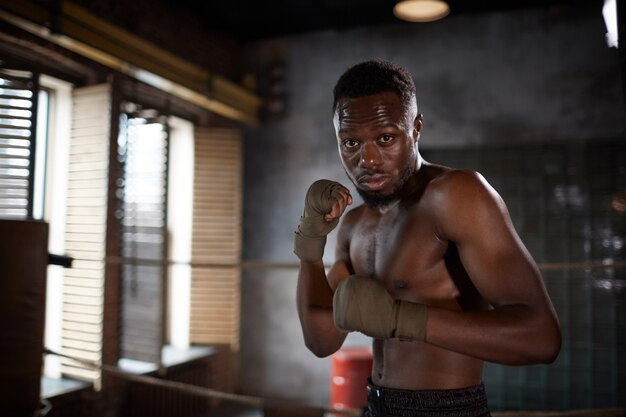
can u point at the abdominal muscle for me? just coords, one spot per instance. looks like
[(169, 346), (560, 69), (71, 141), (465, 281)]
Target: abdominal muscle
[(419, 366)]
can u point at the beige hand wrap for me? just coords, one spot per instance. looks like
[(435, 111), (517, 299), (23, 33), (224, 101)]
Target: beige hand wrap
[(363, 304), (310, 238)]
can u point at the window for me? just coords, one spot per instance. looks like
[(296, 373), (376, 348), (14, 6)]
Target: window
[(33, 171), (56, 108), (142, 188), (178, 214)]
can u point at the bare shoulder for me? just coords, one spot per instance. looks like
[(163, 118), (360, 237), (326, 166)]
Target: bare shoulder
[(453, 186), (454, 177), (462, 200)]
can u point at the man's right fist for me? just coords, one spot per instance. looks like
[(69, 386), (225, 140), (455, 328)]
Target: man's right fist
[(324, 203)]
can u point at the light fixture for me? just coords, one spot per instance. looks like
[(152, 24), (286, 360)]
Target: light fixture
[(609, 12), (421, 10)]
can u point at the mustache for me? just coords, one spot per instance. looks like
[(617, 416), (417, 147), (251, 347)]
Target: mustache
[(365, 175)]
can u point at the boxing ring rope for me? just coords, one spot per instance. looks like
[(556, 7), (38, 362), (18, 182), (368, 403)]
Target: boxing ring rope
[(544, 266), (209, 393)]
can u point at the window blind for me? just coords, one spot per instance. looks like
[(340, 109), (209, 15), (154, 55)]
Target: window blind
[(18, 112), (85, 232), (216, 238), (143, 149)]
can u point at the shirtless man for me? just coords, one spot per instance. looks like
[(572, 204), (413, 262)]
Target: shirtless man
[(430, 266)]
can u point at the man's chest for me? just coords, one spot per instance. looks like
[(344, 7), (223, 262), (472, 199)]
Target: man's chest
[(403, 251)]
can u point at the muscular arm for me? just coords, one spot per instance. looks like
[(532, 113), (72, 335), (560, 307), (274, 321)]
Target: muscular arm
[(314, 294), (522, 327), (315, 308)]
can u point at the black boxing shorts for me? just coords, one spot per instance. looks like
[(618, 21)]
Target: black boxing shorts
[(463, 402)]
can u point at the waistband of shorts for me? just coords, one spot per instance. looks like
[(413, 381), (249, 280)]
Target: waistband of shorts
[(472, 400)]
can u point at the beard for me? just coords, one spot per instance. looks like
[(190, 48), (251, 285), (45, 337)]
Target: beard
[(374, 199)]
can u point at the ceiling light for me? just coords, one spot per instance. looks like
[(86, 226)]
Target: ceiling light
[(421, 10), (609, 12)]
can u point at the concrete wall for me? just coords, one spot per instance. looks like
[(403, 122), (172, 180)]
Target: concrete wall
[(498, 78)]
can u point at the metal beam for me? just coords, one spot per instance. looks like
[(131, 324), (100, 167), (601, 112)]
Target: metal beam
[(122, 51)]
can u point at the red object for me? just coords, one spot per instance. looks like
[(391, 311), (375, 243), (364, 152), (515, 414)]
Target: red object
[(350, 369)]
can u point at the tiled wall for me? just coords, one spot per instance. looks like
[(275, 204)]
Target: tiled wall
[(568, 203)]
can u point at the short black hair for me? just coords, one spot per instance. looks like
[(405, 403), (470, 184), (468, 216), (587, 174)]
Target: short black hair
[(373, 77)]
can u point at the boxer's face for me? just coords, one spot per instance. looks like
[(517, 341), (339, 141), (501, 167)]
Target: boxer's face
[(377, 138)]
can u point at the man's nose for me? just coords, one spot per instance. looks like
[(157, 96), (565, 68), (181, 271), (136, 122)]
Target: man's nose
[(370, 156)]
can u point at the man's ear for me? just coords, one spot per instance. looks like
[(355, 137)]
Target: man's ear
[(417, 126)]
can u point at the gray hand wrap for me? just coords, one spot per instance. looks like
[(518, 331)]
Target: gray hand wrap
[(310, 238), (363, 304)]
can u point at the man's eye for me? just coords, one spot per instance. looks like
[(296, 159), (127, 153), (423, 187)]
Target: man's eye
[(386, 138), (349, 143)]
